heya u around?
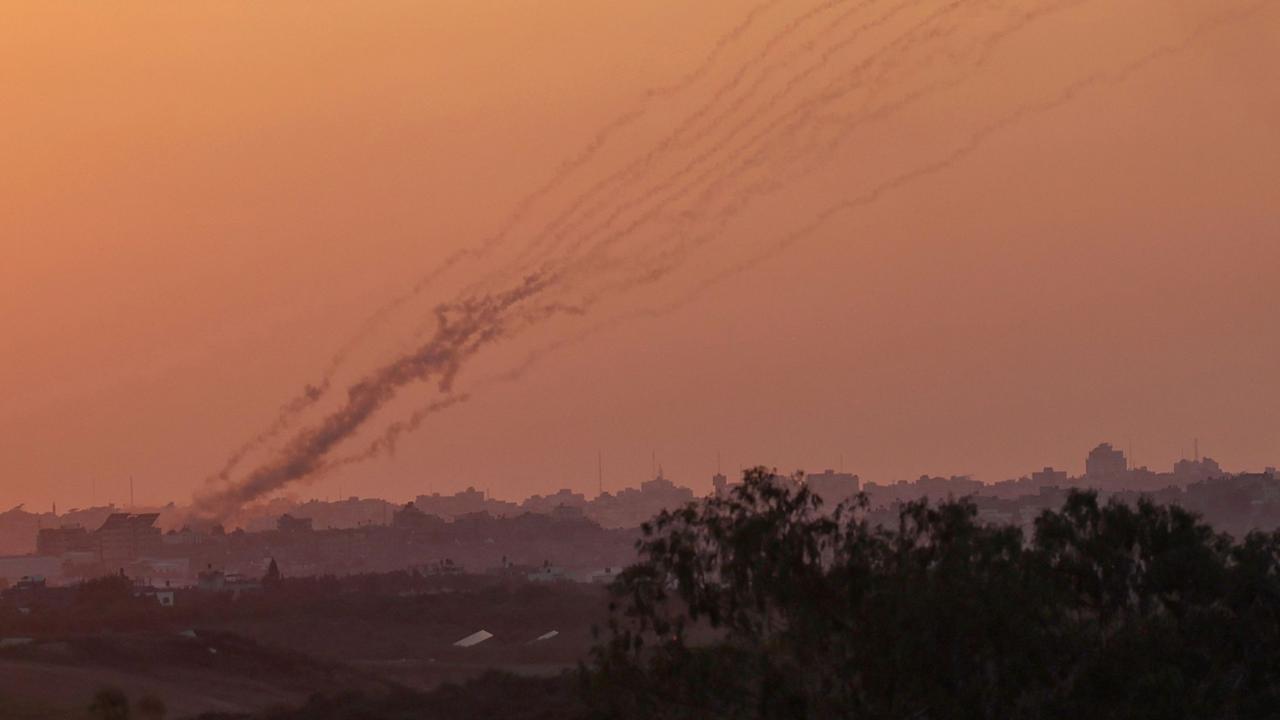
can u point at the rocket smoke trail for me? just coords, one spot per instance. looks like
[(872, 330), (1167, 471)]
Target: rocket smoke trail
[(571, 277), (973, 144), (312, 393), (462, 330)]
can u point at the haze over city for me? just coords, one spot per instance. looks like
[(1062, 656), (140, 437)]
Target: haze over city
[(202, 210)]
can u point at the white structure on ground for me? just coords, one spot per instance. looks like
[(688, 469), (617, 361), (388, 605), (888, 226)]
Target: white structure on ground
[(474, 639)]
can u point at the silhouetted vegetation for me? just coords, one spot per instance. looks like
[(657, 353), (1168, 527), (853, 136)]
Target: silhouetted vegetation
[(763, 604), (758, 605)]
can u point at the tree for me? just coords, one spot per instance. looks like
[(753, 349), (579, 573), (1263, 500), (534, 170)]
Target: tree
[(273, 574), (763, 605), (105, 591)]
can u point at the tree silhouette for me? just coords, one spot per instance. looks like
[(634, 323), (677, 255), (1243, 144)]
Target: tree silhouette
[(272, 575), (759, 604)]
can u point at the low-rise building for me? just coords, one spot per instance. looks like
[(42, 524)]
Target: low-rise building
[(833, 487)]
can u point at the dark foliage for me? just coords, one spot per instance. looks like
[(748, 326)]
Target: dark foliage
[(759, 605)]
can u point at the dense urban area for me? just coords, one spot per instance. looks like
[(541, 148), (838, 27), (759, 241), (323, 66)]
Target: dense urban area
[(564, 535)]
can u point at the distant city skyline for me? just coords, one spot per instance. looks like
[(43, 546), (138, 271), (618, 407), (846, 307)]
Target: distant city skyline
[(701, 483)]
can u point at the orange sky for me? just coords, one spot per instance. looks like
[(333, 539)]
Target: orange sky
[(199, 202)]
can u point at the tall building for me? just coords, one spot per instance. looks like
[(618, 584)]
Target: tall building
[(125, 537), (1105, 466)]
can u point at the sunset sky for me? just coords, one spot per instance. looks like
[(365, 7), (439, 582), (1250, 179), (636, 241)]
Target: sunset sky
[(201, 202)]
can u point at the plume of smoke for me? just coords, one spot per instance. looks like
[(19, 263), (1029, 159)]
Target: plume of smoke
[(721, 176), (467, 325), (387, 442), (312, 393), (756, 150), (299, 457), (658, 197), (957, 155), (682, 135), (462, 330)]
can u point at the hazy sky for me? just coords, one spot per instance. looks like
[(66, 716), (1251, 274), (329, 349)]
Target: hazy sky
[(200, 202)]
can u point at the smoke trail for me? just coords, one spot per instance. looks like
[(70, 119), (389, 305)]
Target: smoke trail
[(312, 393), (669, 191), (303, 455), (672, 141), (777, 131), (969, 147), (562, 175), (668, 143), (465, 327), (973, 144), (462, 330), (387, 442)]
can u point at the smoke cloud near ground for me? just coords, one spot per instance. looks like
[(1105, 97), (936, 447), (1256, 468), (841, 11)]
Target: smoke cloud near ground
[(787, 108)]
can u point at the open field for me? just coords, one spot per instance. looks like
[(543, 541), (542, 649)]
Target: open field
[(279, 648)]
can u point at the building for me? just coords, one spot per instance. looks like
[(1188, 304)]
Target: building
[(833, 487), (217, 581), (548, 504), (568, 513), (290, 524), (631, 507), (56, 542), (124, 537), (1198, 470), (719, 485), (466, 502), (410, 519), (1105, 466), (1049, 478)]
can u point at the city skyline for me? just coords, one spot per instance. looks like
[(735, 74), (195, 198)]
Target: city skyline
[(700, 484)]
